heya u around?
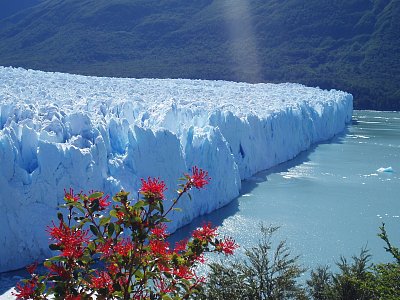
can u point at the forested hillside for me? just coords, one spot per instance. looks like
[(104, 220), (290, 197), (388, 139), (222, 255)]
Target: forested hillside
[(352, 45)]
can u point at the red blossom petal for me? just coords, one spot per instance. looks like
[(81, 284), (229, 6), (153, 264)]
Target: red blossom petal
[(105, 248), (163, 287), (159, 247), (199, 178), (58, 270), (160, 231), (180, 246), (102, 200), (113, 268), (71, 241), (205, 233), (70, 196), (31, 268), (24, 291), (227, 246), (124, 247), (102, 280), (184, 272), (153, 188)]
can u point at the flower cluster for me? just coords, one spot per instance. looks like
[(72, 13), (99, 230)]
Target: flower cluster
[(123, 252), (198, 179)]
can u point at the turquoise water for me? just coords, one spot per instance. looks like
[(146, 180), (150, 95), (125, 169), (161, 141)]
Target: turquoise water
[(330, 200)]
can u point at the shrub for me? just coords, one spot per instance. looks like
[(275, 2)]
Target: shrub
[(350, 283), (265, 273), (359, 279), (122, 253)]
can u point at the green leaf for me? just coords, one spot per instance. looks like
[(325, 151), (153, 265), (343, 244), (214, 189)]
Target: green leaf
[(117, 228), (161, 207), (139, 204), (110, 229), (95, 205), (91, 247), (177, 209), (94, 230), (166, 297), (104, 221), (96, 195), (86, 259), (54, 247), (41, 288), (60, 216), (113, 213), (138, 274), (47, 263)]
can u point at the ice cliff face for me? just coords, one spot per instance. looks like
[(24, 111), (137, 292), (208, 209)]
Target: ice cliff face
[(59, 131)]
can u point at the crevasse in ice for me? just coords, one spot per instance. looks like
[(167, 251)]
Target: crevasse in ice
[(59, 131)]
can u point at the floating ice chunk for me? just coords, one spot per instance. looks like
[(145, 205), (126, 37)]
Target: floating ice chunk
[(385, 170)]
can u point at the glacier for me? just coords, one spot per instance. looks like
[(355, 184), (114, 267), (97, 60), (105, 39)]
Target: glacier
[(61, 130)]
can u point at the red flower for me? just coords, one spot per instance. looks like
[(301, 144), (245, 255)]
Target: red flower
[(159, 247), (113, 269), (163, 287), (227, 246), (58, 270), (31, 268), (205, 233), (102, 281), (184, 272), (105, 248), (71, 241), (199, 178), (153, 188), (163, 268), (160, 231), (120, 215), (69, 196), (180, 246), (201, 259), (25, 291), (123, 247), (102, 200)]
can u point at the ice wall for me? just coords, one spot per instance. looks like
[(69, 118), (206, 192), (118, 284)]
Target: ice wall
[(59, 131)]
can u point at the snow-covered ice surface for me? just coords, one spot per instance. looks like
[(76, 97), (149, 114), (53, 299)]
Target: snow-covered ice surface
[(59, 131)]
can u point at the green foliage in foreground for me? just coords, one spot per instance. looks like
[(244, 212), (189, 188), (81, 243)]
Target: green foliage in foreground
[(266, 273), (271, 273)]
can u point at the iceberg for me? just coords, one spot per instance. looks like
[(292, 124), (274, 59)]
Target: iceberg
[(385, 170), (61, 130)]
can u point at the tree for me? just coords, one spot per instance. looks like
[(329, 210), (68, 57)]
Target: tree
[(264, 273)]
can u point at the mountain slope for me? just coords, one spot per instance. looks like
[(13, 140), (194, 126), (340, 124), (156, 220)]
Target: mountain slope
[(351, 45)]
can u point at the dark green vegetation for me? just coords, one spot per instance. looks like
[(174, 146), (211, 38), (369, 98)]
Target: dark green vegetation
[(266, 273), (271, 272), (352, 45)]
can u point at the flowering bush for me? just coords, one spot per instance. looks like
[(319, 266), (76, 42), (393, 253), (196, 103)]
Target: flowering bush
[(122, 252)]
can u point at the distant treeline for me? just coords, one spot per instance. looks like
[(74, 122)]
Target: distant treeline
[(352, 45)]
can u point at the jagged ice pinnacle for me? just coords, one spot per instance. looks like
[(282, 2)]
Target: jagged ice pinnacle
[(59, 131)]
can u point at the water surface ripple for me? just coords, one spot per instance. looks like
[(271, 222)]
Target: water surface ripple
[(330, 200)]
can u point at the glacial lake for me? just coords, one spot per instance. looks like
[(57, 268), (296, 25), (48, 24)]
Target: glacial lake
[(328, 201)]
